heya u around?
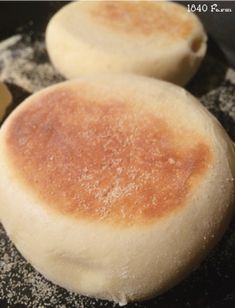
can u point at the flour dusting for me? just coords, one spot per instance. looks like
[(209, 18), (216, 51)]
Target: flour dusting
[(25, 64)]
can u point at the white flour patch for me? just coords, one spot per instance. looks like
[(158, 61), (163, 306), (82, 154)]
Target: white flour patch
[(21, 64), (9, 42)]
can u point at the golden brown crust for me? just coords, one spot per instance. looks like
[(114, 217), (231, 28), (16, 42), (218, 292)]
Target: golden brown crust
[(144, 18), (101, 161)]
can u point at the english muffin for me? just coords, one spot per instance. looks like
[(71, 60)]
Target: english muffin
[(115, 187), (156, 39)]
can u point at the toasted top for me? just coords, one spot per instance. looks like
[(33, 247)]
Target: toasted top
[(144, 18), (127, 25), (103, 158)]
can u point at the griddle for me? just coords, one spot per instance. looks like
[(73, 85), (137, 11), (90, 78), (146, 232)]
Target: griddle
[(213, 283)]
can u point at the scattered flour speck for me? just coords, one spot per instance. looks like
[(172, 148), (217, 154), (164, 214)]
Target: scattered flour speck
[(25, 64)]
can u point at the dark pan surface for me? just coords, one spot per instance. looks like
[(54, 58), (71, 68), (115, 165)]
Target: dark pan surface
[(22, 60)]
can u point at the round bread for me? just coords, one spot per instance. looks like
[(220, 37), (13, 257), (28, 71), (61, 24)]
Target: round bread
[(156, 39), (114, 186)]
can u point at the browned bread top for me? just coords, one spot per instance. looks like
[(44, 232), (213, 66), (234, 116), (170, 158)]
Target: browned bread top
[(104, 159), (144, 18)]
